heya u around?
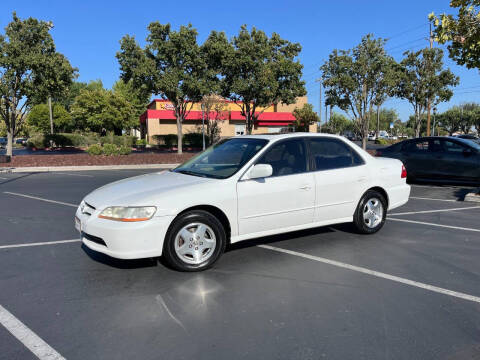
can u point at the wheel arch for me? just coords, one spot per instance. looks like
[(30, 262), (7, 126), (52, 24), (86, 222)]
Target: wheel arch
[(381, 191), (215, 211)]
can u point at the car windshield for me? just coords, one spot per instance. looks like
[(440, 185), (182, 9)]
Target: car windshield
[(223, 159)]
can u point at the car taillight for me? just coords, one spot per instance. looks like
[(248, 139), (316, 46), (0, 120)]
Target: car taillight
[(404, 172), (378, 153)]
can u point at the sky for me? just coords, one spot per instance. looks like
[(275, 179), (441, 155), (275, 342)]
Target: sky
[(88, 32)]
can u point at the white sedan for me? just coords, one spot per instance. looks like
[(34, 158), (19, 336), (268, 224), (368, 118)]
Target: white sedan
[(241, 188)]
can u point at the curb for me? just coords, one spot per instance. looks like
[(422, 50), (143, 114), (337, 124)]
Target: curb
[(86, 168), (473, 196)]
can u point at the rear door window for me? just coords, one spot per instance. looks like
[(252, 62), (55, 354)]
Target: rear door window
[(421, 146), (328, 154)]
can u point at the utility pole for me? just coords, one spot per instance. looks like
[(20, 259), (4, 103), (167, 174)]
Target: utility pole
[(319, 80), (429, 100), (50, 113), (203, 126), (326, 115)]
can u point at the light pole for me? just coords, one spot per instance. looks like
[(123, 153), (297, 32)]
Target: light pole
[(50, 113), (434, 113), (203, 126)]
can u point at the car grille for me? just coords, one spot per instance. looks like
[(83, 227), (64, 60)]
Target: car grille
[(94, 239)]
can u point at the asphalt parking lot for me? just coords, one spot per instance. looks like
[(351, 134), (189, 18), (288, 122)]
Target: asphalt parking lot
[(411, 291)]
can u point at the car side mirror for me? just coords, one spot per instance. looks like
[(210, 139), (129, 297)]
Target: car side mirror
[(260, 171), (467, 152)]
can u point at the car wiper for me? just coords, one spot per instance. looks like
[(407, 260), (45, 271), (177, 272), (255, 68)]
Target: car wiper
[(188, 172)]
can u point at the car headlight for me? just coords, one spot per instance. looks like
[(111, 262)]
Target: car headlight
[(128, 214)]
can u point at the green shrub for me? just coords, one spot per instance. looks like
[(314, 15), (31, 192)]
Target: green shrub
[(194, 139), (141, 142), (95, 149), (381, 141), (125, 140), (37, 141), (83, 139), (110, 149), (168, 140), (59, 140), (124, 150)]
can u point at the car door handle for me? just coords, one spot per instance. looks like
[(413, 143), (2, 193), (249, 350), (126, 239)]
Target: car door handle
[(305, 187), (362, 178)]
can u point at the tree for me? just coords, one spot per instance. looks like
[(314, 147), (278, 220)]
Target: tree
[(386, 117), (259, 71), (73, 91), (357, 79), (422, 78), (39, 118), (305, 116), (30, 71), (171, 65), (462, 32), (469, 114), (215, 110), (99, 109), (338, 123), (137, 99), (451, 120)]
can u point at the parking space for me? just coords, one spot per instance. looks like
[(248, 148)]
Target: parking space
[(411, 291)]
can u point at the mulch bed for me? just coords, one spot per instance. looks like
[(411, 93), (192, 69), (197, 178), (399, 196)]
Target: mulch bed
[(83, 159)]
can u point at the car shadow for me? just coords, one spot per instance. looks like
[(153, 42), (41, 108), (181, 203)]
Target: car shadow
[(119, 263), (282, 237)]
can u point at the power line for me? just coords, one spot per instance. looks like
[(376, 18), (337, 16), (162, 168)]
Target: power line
[(406, 31), (406, 43)]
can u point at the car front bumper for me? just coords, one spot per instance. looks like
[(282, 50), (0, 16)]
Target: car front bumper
[(123, 240)]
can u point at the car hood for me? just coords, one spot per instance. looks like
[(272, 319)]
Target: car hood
[(141, 190)]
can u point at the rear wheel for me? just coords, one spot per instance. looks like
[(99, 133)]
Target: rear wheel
[(370, 213), (195, 241)]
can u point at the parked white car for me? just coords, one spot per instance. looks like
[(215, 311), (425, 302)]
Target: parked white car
[(241, 188)]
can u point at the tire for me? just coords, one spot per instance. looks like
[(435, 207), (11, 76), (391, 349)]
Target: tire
[(371, 212), (194, 241)]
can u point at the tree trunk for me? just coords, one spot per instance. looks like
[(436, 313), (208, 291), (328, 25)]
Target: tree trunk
[(9, 143), (418, 123), (179, 135), (364, 142), (248, 123)]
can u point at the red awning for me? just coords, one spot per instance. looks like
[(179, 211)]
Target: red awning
[(265, 119), (266, 116), (170, 115)]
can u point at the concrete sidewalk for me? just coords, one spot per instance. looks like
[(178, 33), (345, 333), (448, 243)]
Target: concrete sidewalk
[(85, 168)]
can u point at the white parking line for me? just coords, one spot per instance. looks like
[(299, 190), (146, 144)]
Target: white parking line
[(27, 337), (41, 199), (39, 244), (433, 224), (435, 211), (3, 178), (423, 198), (376, 273)]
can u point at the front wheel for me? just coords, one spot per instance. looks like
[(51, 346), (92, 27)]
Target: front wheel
[(370, 213), (195, 241)]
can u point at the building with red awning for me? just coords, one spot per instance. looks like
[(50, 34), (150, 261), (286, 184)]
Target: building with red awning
[(159, 119)]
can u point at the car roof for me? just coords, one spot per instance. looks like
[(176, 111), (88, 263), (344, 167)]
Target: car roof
[(278, 136)]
